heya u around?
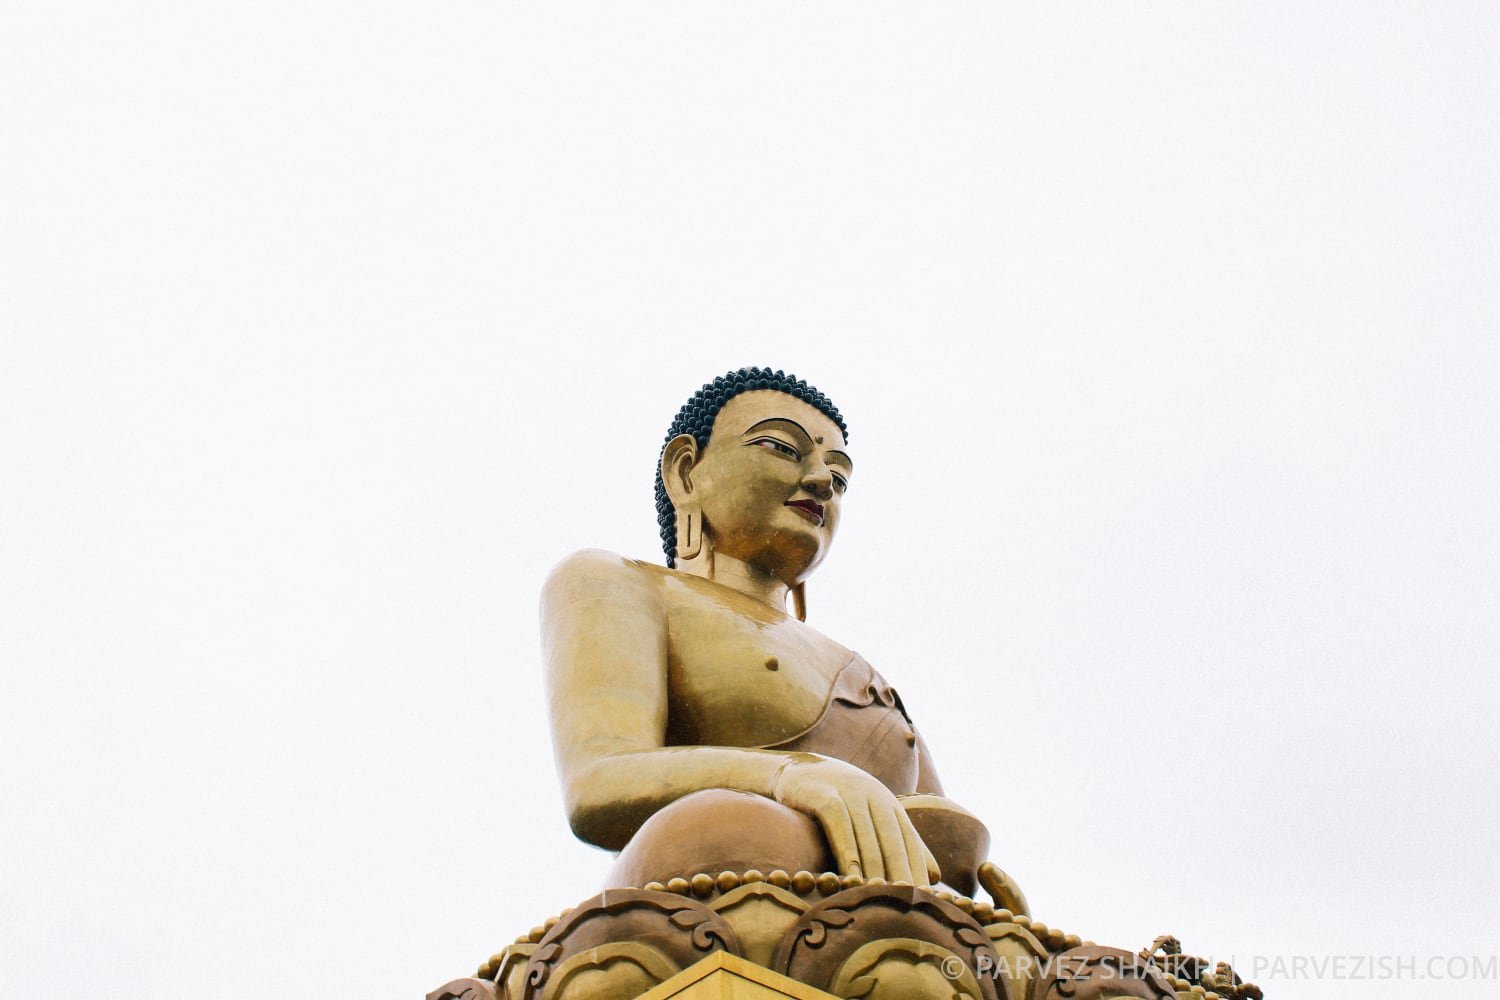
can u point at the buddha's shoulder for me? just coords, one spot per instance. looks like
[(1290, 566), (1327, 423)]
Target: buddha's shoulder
[(593, 569)]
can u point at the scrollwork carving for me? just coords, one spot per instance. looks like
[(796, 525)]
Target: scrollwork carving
[(904, 969), (464, 989), (831, 932), (1093, 973), (665, 933)]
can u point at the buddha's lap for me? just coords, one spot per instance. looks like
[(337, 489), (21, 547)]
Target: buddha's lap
[(720, 830)]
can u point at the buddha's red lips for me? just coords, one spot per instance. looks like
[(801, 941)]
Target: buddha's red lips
[(811, 508)]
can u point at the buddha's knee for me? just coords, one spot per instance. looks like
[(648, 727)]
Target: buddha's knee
[(721, 830)]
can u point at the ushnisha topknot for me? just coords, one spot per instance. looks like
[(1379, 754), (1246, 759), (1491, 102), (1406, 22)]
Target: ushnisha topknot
[(697, 418)]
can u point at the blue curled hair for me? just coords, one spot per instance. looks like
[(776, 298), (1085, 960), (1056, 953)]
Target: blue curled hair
[(697, 418)]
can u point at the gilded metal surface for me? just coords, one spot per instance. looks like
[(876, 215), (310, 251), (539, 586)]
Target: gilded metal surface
[(664, 683), (1094, 973), (908, 937), (773, 804), (723, 976), (847, 936)]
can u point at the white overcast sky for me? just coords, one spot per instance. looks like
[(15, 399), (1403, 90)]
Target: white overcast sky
[(1166, 333)]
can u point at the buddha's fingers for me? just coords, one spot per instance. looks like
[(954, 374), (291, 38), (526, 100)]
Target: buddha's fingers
[(1002, 888), (839, 829), (924, 869), (863, 821), (894, 849), (869, 841)]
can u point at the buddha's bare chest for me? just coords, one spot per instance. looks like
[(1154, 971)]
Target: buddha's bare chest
[(736, 679)]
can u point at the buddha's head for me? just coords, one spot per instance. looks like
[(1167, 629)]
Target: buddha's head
[(754, 466)]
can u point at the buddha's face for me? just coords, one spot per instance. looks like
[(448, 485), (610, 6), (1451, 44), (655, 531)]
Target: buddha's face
[(770, 483)]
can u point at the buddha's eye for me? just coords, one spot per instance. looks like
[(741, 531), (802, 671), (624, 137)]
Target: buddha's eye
[(780, 446), (839, 482)]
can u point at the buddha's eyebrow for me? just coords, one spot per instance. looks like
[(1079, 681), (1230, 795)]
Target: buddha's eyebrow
[(779, 420), (847, 460)]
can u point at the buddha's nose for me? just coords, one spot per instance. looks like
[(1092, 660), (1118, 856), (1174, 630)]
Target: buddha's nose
[(819, 484)]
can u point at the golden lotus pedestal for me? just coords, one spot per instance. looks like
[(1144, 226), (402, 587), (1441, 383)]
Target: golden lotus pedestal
[(811, 937)]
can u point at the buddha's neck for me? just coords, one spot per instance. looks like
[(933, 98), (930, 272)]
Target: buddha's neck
[(736, 574)]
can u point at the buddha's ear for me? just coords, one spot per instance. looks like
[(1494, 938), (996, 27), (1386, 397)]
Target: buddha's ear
[(678, 460)]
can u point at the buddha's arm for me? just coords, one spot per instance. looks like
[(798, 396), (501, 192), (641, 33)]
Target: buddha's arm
[(604, 635)]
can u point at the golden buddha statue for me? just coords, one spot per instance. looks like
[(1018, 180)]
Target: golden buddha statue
[(698, 725), (779, 821)]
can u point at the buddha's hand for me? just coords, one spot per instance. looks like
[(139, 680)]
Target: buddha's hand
[(867, 828)]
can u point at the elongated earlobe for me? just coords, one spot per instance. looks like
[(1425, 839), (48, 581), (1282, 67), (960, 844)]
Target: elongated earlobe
[(799, 601), (689, 531)]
